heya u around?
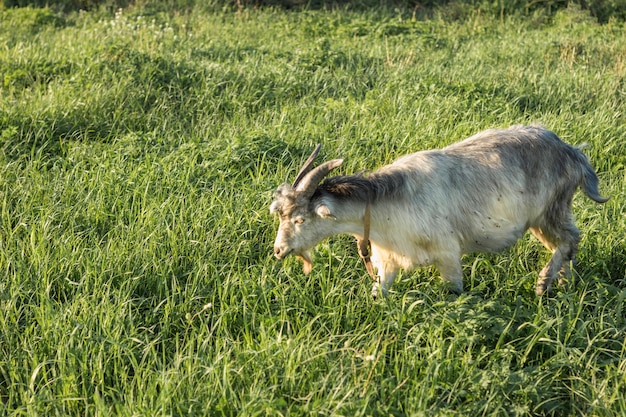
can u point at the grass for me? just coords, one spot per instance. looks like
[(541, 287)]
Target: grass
[(138, 154)]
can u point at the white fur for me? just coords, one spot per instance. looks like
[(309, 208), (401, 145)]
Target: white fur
[(431, 207)]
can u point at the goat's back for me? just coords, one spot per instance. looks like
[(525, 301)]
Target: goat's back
[(490, 188)]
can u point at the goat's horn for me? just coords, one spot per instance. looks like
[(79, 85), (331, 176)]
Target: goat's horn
[(307, 165), (313, 178)]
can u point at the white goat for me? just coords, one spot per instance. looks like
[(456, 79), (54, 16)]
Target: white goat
[(430, 207)]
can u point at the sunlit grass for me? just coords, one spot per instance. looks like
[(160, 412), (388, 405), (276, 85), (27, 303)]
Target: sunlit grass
[(138, 154)]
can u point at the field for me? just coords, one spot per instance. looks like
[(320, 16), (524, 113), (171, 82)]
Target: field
[(139, 151)]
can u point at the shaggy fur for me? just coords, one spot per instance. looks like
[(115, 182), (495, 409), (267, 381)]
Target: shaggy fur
[(430, 207)]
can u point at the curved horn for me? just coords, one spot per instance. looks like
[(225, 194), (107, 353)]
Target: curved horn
[(307, 166), (310, 181)]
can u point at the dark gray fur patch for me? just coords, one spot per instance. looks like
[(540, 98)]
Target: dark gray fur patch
[(363, 188)]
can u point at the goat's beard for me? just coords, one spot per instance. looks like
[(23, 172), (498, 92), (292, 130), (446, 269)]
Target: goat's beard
[(305, 257)]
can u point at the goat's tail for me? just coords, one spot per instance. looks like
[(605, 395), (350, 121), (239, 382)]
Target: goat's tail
[(589, 182)]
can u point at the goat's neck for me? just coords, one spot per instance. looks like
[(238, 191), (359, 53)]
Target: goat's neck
[(350, 218)]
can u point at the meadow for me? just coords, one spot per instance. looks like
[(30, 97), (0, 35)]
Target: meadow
[(139, 151)]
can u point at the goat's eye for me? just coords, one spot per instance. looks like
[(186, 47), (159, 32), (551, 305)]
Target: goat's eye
[(299, 220)]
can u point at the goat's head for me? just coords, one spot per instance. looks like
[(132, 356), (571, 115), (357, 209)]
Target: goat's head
[(299, 229)]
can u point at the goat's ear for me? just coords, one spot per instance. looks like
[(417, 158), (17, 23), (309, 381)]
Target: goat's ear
[(324, 210)]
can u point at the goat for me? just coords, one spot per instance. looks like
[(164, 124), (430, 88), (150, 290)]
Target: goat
[(433, 206)]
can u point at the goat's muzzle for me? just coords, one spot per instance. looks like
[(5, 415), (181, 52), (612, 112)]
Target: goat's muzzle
[(305, 257), (280, 253)]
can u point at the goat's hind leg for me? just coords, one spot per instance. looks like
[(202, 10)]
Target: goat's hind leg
[(563, 244)]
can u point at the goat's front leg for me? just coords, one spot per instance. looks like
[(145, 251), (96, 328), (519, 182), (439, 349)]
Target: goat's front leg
[(451, 271), (386, 273), (384, 282)]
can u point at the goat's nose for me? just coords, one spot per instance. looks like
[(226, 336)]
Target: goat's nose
[(277, 251)]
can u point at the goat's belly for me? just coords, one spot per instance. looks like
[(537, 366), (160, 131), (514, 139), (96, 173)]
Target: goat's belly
[(407, 256), (493, 239)]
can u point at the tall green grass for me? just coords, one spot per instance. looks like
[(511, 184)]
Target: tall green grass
[(138, 154)]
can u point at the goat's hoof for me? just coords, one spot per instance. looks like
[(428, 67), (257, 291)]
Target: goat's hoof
[(378, 292), (543, 290), (543, 286)]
